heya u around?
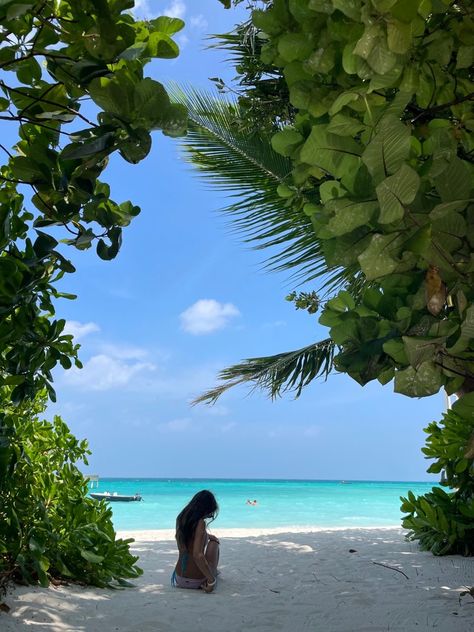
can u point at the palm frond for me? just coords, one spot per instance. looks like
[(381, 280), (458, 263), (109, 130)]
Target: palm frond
[(290, 371), (249, 171)]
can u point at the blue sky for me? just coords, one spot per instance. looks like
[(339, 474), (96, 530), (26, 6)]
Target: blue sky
[(183, 299)]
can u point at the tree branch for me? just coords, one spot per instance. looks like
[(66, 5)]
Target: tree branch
[(392, 568)]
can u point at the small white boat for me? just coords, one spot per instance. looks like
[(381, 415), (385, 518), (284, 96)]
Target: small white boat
[(114, 497)]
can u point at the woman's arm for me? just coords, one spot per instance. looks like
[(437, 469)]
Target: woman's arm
[(199, 543)]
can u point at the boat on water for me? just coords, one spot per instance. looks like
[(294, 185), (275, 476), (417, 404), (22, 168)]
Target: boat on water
[(114, 497)]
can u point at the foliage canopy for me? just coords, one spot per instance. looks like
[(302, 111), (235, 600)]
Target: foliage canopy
[(55, 57), (380, 142), (73, 92), (49, 526), (382, 164)]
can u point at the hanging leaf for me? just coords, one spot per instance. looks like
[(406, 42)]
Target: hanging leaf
[(388, 149), (395, 192), (435, 291), (426, 380)]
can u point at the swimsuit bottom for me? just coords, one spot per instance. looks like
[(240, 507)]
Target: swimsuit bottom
[(187, 582)]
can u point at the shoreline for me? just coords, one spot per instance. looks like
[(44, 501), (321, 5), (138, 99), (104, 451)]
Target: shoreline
[(158, 535), (335, 579)]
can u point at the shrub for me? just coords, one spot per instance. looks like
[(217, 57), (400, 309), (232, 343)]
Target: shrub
[(48, 525)]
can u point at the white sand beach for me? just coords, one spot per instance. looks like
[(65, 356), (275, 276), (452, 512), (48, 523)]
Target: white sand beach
[(294, 581)]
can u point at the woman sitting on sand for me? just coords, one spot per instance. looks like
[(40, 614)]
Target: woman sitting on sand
[(198, 550)]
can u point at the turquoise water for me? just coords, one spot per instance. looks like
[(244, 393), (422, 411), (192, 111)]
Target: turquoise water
[(281, 503)]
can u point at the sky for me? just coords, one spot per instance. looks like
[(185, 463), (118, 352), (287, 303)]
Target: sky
[(184, 299)]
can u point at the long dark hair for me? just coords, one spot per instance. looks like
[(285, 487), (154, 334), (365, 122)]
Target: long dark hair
[(202, 506)]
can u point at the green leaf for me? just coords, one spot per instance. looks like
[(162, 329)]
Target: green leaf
[(167, 25), (421, 241), (422, 349), (366, 43), (92, 557), (440, 210), (350, 8), (29, 71), (135, 51), (26, 169), (110, 252), (399, 37), (322, 6), (331, 189), (150, 99), (335, 154), (114, 95), (137, 147), (426, 380), (343, 125), (396, 350), (376, 261), (295, 46), (286, 141), (344, 99), (380, 58), (395, 192), (348, 215), (456, 181), (465, 57), (96, 145), (162, 46), (388, 149), (44, 244), (461, 466)]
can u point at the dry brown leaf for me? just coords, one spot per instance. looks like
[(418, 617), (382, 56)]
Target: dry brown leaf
[(435, 291)]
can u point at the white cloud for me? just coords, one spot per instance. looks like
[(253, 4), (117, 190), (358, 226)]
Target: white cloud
[(217, 410), (80, 330), (206, 316), (176, 9), (295, 430), (177, 425), (148, 9), (275, 323), (198, 22), (141, 9), (123, 351), (193, 426), (182, 40), (228, 426), (105, 372)]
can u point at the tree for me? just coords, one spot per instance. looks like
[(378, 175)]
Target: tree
[(226, 146), (73, 88), (62, 55), (381, 151)]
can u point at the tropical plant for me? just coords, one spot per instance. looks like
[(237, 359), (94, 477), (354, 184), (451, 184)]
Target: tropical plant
[(261, 89), (444, 522), (54, 58), (382, 157), (73, 93), (246, 166), (382, 165), (48, 526)]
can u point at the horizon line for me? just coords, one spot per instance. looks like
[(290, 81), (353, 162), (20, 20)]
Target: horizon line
[(221, 478)]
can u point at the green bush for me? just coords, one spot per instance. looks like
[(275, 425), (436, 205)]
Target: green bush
[(443, 522), (48, 525)]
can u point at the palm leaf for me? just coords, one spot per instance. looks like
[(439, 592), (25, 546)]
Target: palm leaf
[(290, 371), (246, 167)]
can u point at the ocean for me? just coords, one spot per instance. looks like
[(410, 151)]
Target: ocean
[(280, 503)]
